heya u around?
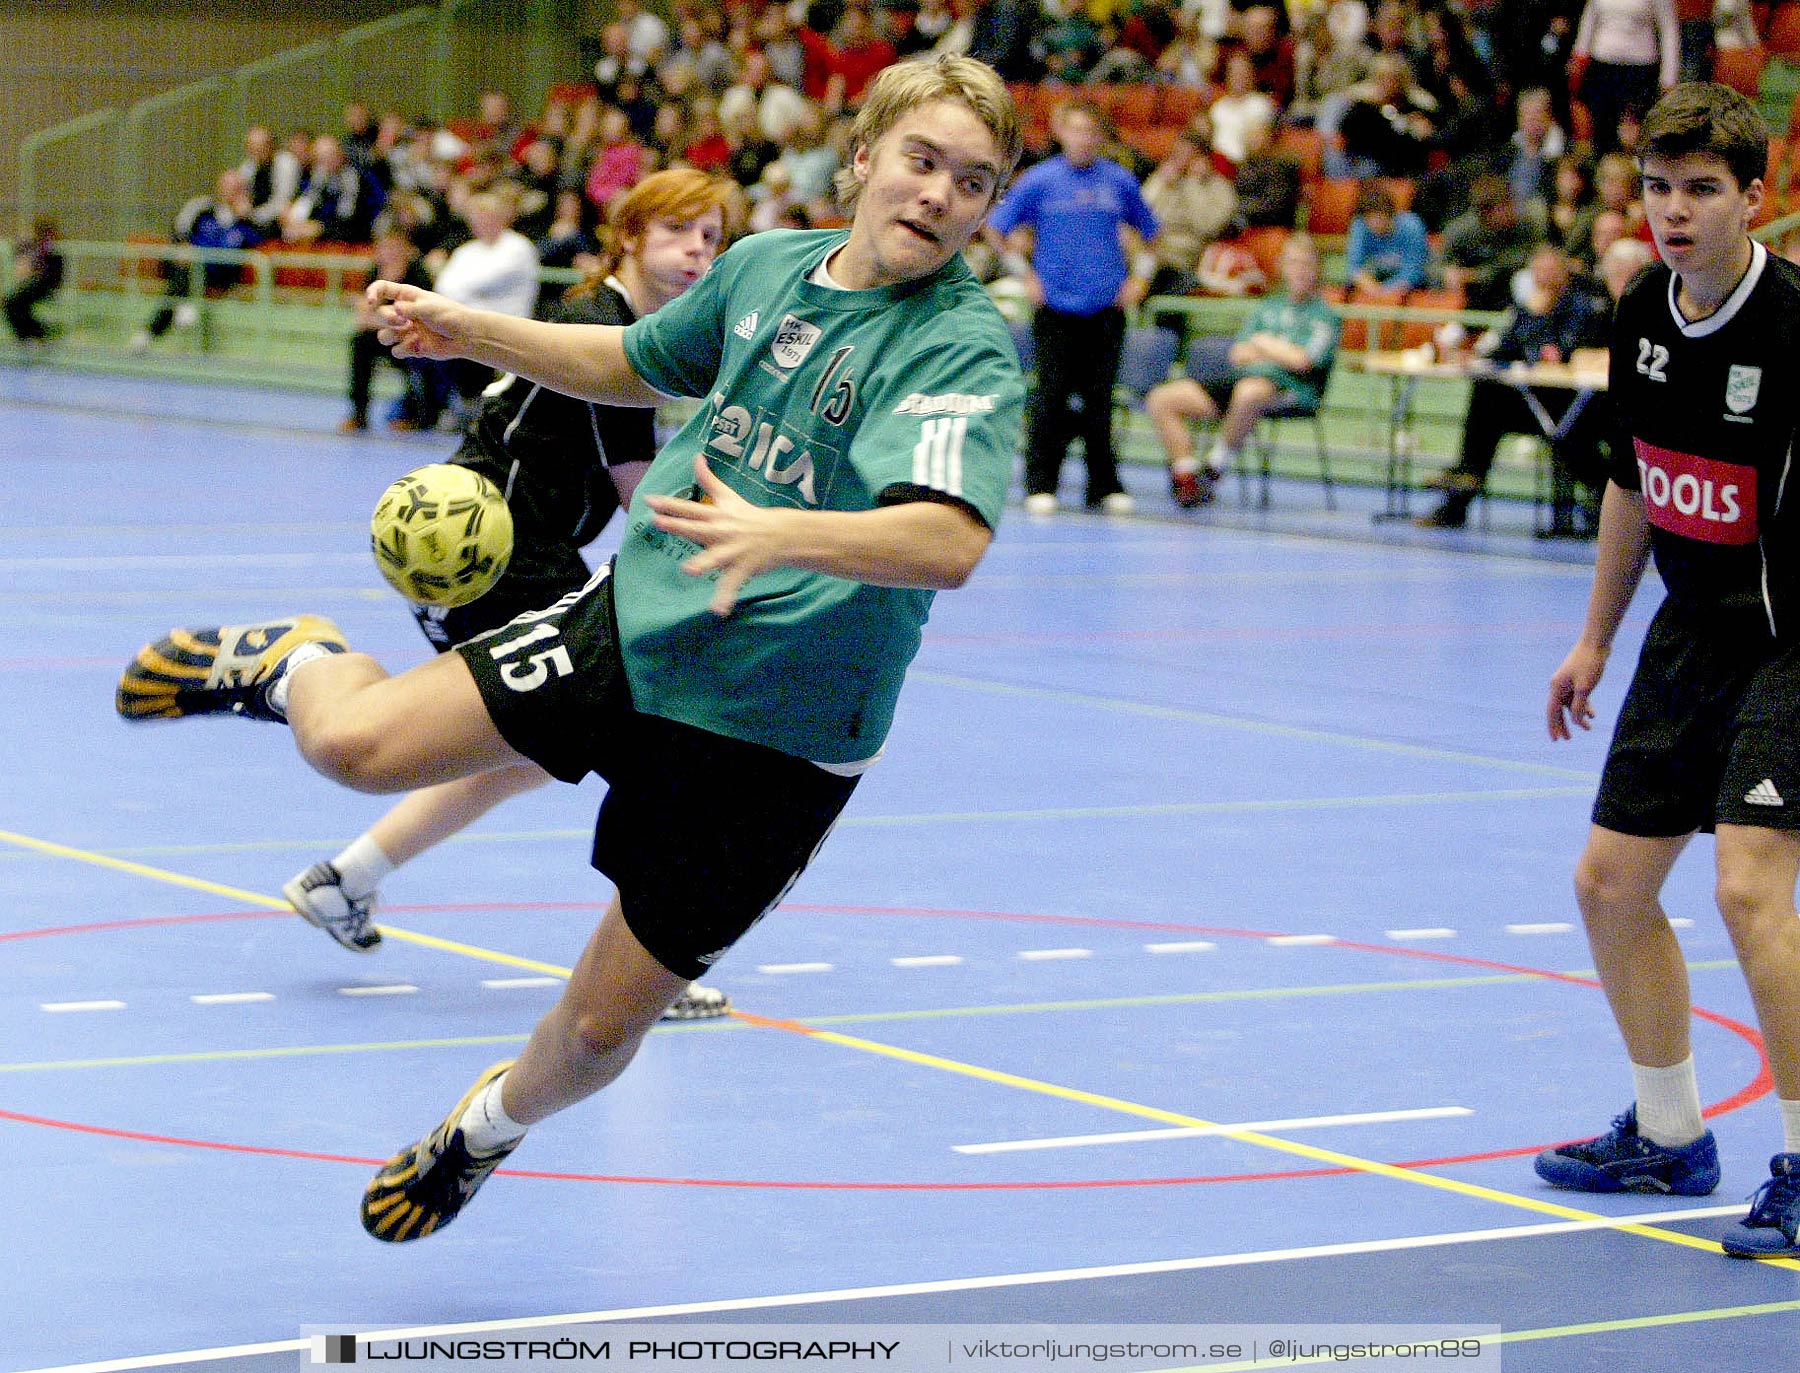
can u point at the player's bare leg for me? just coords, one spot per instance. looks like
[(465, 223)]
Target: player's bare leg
[(1618, 882)]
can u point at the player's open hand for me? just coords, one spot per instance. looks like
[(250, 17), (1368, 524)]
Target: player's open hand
[(1571, 686), (418, 323), (737, 539)]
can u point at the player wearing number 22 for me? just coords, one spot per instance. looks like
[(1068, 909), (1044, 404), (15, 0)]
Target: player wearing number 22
[(1705, 360), (736, 670)]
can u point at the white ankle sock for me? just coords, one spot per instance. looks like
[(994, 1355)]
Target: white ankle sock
[(1221, 460), (361, 867), (1185, 467), (278, 689), (1790, 1125), (1668, 1103), (485, 1125)]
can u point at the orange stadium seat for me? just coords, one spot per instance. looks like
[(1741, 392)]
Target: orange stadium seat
[(1265, 243), (1740, 68), (1331, 205), (1305, 146), (1178, 104), (1413, 332)]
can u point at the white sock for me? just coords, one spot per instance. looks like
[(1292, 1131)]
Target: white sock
[(1221, 460), (1668, 1103), (1790, 1125), (278, 689), (1185, 467), (361, 867), (485, 1125)]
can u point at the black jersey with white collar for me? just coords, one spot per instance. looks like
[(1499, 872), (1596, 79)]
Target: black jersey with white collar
[(1706, 413), (550, 453)]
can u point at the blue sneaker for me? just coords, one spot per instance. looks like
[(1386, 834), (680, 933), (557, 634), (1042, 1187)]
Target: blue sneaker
[(1622, 1160), (1772, 1229)]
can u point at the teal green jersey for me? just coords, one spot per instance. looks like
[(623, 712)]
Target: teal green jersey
[(1312, 325), (816, 399)]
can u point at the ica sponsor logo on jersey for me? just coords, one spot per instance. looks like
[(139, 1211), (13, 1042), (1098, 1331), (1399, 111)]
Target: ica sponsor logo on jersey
[(1697, 497), (794, 339), (764, 450)]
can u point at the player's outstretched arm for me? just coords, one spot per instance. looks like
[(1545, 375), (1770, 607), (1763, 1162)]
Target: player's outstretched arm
[(583, 360), (917, 544), (1624, 548)]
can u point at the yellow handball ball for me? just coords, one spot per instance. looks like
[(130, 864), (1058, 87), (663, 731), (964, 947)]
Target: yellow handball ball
[(441, 535)]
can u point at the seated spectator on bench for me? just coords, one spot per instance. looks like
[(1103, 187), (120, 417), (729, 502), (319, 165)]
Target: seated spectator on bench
[(1389, 123), (1193, 204), (1268, 183), (221, 220), (497, 270), (1388, 249), (1281, 358), (1486, 246), (37, 275), (337, 201), (1560, 318)]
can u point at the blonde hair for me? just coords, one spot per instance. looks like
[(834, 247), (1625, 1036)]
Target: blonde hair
[(907, 85), (679, 193)]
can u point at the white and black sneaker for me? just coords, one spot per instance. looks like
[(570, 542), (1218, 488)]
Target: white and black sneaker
[(699, 1003), (318, 895)]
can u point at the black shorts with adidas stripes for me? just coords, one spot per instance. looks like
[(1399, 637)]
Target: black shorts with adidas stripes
[(702, 834), (1709, 733)]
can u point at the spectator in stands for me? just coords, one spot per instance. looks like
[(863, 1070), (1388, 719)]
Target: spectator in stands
[(1069, 41), (573, 236), (1486, 246), (1193, 204), (778, 40), (1239, 108), (336, 203), (707, 148), (1389, 250), (272, 175), (616, 65), (1191, 57), (1695, 21), (620, 159), (647, 34), (704, 54), (810, 162), (1616, 194), (220, 220), (1388, 123), (37, 271), (851, 56), (358, 138), (1002, 34), (1271, 53), (1624, 259), (1281, 356), (751, 149), (777, 105), (1072, 214), (1626, 53), (1571, 196), (1268, 183), (497, 128), (936, 22), (495, 270), (1529, 160), (1558, 319), (396, 259), (1469, 119)]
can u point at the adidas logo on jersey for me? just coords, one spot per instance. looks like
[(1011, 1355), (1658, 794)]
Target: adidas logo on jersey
[(1764, 794), (745, 328)]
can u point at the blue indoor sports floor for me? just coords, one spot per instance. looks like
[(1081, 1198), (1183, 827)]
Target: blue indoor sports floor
[(1184, 823)]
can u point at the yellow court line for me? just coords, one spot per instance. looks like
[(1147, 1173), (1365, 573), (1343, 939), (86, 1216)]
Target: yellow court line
[(1330, 1157)]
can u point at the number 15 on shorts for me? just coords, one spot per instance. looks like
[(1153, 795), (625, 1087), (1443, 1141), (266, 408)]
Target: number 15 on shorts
[(526, 672)]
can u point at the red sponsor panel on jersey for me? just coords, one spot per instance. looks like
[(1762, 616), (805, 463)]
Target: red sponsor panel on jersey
[(1698, 498)]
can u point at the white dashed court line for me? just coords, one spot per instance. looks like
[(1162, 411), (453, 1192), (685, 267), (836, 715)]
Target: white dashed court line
[(930, 960), (60, 1006), (779, 968), (394, 989), (1183, 946), (230, 998), (1295, 941), (1680, 922), (1052, 955), (505, 983), (1012, 1146), (1547, 927), (1430, 932)]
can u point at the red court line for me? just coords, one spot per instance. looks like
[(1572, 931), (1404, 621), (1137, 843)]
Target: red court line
[(1758, 1087)]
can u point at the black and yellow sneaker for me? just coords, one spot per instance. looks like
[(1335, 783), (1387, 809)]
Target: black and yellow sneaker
[(222, 671), (423, 1187)]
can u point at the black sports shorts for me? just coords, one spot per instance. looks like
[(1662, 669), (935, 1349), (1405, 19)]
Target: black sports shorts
[(538, 575), (701, 834), (1707, 734)]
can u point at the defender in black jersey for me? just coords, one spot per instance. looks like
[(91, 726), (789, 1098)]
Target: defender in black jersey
[(1705, 385), (566, 467)]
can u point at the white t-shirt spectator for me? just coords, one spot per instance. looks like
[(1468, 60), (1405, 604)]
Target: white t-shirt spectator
[(501, 275), (1232, 118)]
